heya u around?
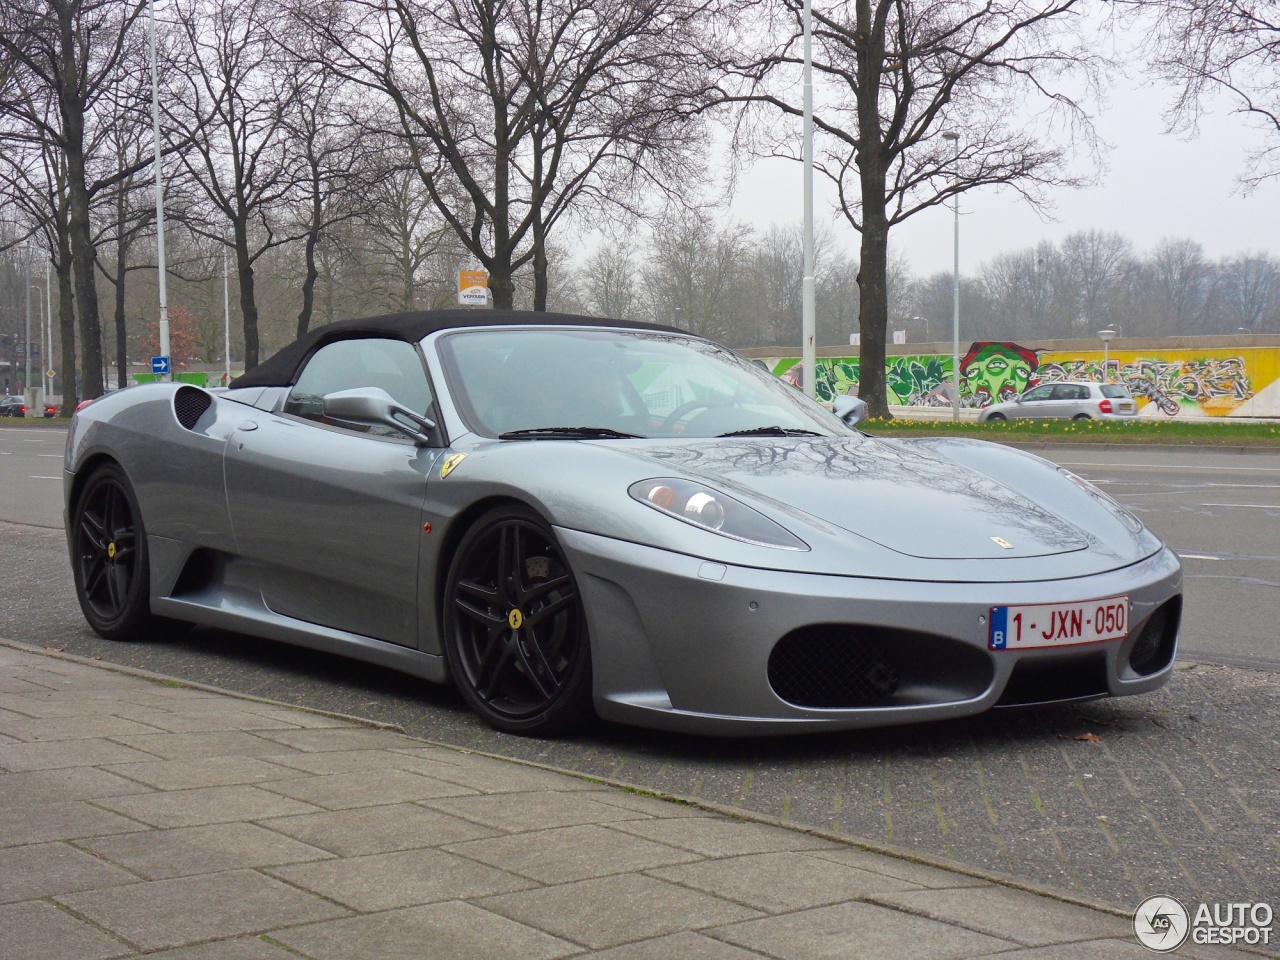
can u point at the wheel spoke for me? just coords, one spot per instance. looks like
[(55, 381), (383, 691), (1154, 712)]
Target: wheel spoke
[(96, 570), (539, 590), (551, 608), (535, 671), (91, 529), (116, 587), (493, 663), (481, 591), (482, 616), (505, 549), (516, 564)]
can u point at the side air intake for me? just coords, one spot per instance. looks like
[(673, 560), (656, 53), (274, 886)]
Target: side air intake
[(189, 405)]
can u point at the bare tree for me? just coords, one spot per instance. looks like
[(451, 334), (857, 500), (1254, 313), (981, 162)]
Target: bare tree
[(894, 76), (1249, 292), (71, 51), (405, 230), (516, 112), (609, 278), (1183, 286), (696, 277), (229, 89), (1231, 47)]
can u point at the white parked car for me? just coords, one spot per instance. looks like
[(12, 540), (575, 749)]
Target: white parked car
[(1074, 400)]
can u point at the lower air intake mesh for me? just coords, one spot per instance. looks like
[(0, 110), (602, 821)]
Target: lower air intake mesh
[(831, 666)]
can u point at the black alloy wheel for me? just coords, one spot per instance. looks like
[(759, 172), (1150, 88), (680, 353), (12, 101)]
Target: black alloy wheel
[(515, 635), (109, 557)]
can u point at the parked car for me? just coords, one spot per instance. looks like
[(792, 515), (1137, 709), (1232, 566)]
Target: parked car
[(1072, 400), (565, 515), (13, 407)]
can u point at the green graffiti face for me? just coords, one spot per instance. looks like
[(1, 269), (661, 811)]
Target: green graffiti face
[(997, 376)]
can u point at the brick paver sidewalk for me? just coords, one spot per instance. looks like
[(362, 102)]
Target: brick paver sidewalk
[(145, 818)]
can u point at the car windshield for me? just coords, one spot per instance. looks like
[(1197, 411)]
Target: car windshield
[(555, 383)]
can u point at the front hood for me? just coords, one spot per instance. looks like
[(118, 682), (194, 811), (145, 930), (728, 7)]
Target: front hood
[(900, 497)]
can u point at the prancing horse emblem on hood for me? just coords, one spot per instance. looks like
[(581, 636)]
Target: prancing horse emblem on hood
[(1003, 542)]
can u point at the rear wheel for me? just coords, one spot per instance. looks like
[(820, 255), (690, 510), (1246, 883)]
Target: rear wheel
[(515, 635), (109, 557), (1082, 416)]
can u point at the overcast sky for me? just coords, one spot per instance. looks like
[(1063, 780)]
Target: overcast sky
[(1157, 186)]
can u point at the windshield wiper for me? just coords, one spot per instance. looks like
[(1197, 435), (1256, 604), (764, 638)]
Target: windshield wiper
[(772, 431), (568, 433)]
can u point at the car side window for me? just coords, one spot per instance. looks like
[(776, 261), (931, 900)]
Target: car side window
[(1038, 393), (393, 365)]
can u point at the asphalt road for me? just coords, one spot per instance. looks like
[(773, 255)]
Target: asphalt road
[(1179, 794)]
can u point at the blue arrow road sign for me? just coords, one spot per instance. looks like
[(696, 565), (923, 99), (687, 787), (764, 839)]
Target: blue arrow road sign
[(159, 364)]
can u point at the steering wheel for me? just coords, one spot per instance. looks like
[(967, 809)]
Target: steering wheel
[(686, 408)]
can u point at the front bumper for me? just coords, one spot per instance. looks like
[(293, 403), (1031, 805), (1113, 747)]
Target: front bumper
[(684, 644)]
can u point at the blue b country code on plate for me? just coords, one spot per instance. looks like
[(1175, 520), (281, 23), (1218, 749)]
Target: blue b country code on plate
[(1058, 624)]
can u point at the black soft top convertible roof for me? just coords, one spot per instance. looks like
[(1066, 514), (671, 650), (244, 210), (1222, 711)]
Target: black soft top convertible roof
[(281, 369)]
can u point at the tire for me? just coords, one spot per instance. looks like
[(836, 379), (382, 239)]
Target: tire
[(1082, 416), (109, 557), (996, 418), (515, 633)]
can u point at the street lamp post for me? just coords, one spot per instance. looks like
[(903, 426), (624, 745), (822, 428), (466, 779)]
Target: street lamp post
[(26, 374), (955, 286), (155, 134), (1106, 336)]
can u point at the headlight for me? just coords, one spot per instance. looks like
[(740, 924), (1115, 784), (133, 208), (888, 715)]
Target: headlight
[(711, 510)]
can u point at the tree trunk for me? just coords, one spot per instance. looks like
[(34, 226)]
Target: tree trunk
[(539, 268), (66, 327), (248, 306), (503, 288), (71, 107), (873, 307), (308, 284)]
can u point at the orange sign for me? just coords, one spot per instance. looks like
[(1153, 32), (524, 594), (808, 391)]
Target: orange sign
[(473, 288)]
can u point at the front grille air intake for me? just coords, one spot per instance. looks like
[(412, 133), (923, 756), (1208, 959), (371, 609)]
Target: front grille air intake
[(1153, 650), (830, 666), (189, 405)]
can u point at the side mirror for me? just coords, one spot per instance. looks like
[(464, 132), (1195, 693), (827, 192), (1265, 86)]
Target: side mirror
[(373, 405), (852, 410), (1018, 398)]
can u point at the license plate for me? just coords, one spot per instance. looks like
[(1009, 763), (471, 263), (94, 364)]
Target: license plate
[(1058, 624)]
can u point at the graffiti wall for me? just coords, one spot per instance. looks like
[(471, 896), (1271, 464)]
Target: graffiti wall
[(1239, 383)]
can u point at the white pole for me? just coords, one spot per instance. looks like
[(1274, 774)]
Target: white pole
[(955, 287), (26, 376), (155, 135), (808, 320), (48, 314), (226, 315)]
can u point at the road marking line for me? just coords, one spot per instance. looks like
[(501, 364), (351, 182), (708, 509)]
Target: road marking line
[(1164, 466), (1197, 556), (37, 477), (59, 456), (1254, 506)]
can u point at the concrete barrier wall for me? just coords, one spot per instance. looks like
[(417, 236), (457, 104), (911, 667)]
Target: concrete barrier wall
[(1216, 378)]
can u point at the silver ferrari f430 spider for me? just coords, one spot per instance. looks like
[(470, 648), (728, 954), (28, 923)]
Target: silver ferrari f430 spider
[(568, 515)]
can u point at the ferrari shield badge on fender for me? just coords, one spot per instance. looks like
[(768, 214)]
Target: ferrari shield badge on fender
[(450, 462)]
